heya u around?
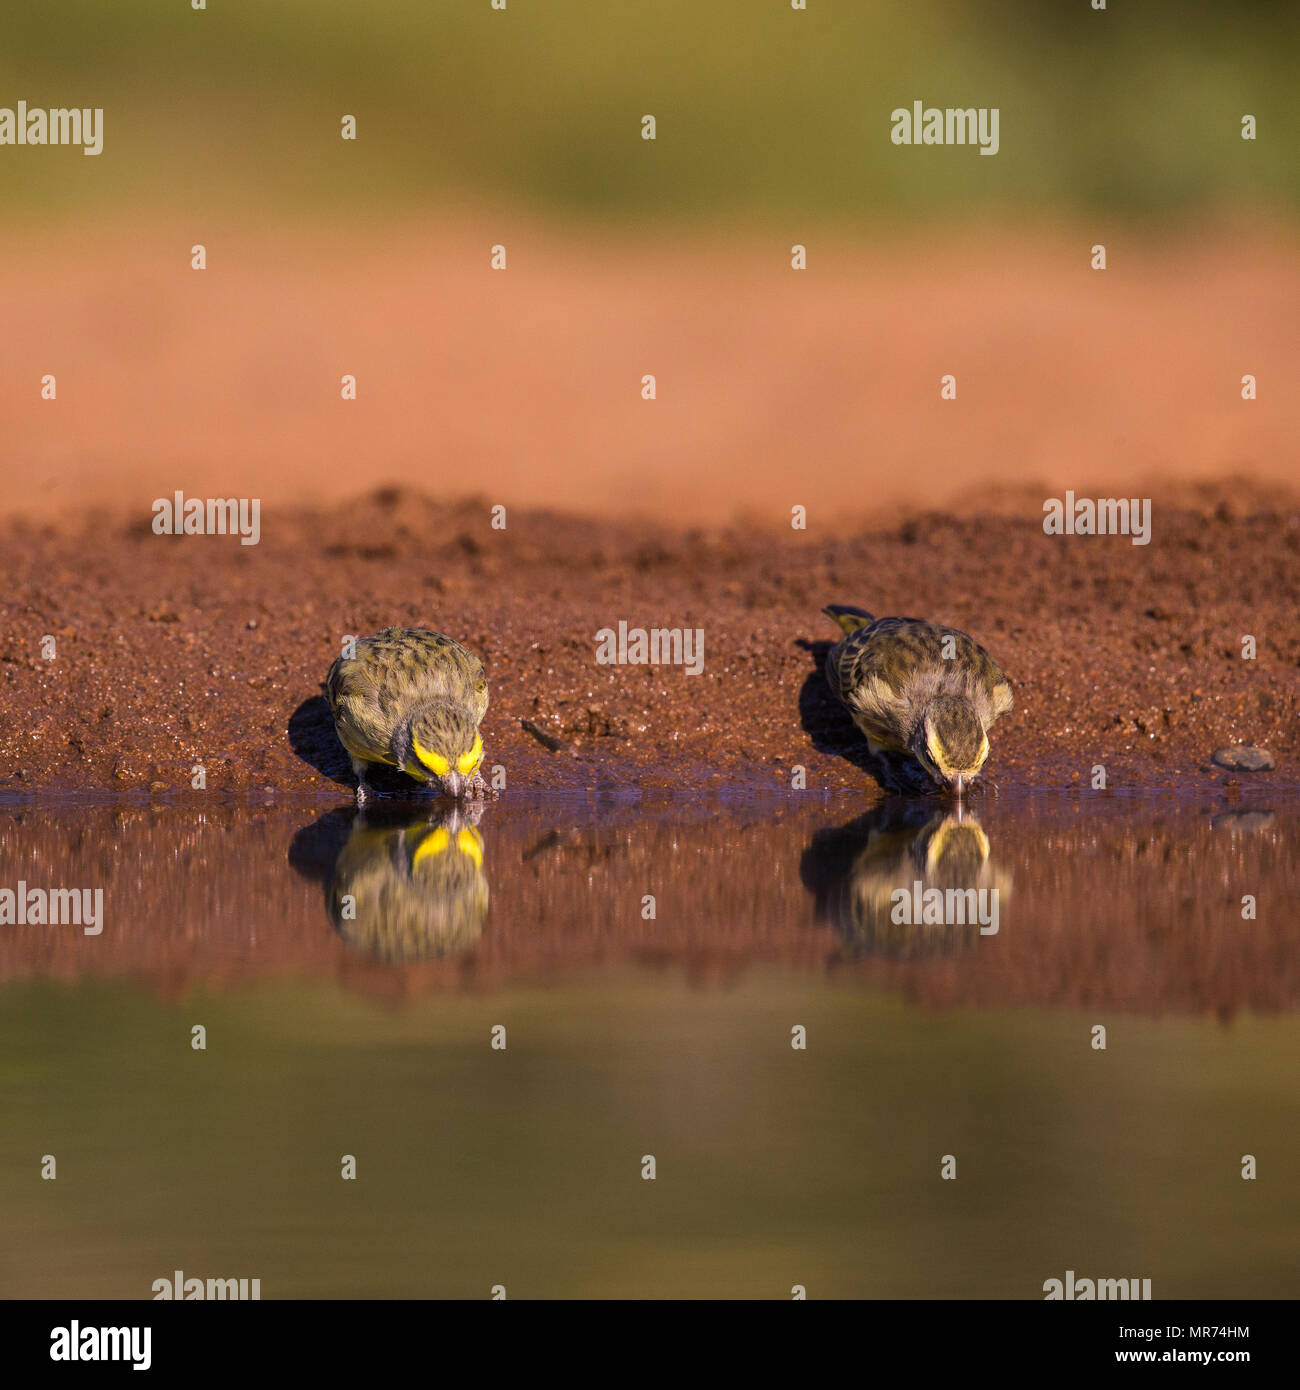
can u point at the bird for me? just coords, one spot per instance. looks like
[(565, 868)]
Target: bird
[(408, 890), (412, 699), (857, 871), (920, 689)]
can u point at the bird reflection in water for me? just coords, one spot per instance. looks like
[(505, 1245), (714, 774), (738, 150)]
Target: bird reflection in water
[(906, 880), (399, 888)]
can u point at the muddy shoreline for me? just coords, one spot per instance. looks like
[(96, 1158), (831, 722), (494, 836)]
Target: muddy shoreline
[(172, 653)]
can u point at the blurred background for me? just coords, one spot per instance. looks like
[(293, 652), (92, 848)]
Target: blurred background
[(627, 257), (775, 387)]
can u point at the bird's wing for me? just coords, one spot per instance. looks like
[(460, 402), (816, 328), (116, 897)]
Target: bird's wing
[(884, 672), (888, 654)]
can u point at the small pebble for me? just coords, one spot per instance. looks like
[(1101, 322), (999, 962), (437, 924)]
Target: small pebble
[(1243, 759)]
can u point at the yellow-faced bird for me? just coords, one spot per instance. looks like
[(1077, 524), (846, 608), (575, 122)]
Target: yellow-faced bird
[(412, 699), (928, 692)]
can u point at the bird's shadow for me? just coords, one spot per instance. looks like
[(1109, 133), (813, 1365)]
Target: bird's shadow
[(833, 851), (831, 730), (312, 738), (315, 848)]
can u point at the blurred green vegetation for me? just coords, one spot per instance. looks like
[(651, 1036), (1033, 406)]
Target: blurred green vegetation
[(522, 1166), (761, 110)]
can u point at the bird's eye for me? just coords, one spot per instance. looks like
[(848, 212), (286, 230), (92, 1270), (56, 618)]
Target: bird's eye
[(469, 762)]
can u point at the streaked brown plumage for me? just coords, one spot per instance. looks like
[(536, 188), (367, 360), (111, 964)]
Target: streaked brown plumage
[(412, 699), (918, 688)]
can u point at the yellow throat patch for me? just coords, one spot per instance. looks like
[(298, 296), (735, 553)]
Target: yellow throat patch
[(469, 762), (435, 762)]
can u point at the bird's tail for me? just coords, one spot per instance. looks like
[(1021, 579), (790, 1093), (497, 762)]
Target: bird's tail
[(849, 618)]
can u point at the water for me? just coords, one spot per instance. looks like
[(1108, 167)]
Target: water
[(649, 962)]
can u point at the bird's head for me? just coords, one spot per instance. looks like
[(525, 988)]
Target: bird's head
[(950, 743), (441, 745)]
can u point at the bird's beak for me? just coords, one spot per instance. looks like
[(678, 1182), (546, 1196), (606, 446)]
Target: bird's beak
[(453, 784), (957, 783)]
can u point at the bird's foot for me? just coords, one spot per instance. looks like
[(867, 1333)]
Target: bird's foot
[(364, 792)]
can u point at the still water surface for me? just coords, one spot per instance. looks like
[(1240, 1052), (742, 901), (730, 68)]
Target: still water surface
[(650, 964)]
